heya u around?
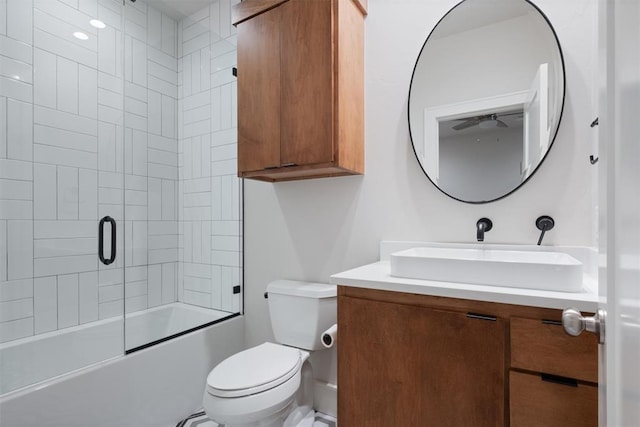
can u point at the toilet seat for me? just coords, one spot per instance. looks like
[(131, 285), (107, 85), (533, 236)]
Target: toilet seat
[(254, 370)]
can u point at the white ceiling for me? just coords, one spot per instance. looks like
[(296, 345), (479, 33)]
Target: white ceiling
[(178, 9)]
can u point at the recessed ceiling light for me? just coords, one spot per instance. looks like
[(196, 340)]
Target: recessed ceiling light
[(97, 23), (81, 36)]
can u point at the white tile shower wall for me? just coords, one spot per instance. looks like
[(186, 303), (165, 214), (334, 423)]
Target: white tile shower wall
[(139, 145), (209, 190), (99, 125), (16, 171)]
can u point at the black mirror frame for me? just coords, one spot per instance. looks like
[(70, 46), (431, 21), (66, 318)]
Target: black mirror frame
[(564, 94)]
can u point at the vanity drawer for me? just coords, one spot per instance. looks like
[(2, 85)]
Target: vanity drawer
[(536, 402), (542, 346)]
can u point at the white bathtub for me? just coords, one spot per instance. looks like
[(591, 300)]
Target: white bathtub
[(149, 326), (41, 357), (79, 376)]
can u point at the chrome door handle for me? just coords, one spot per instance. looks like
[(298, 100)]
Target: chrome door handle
[(574, 323)]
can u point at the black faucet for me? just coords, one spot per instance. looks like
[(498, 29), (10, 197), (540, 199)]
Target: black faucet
[(544, 224), (483, 224)]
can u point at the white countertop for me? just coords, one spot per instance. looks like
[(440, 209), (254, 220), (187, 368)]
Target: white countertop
[(378, 276)]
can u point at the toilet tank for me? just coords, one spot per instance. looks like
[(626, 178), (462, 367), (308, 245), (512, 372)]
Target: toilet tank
[(301, 311)]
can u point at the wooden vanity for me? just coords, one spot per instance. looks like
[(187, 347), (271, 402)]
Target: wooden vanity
[(418, 360)]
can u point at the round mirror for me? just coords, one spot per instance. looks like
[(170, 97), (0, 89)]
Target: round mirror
[(486, 98)]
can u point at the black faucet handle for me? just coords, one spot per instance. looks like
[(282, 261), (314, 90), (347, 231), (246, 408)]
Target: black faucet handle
[(544, 223)]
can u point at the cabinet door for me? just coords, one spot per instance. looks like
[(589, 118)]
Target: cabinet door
[(259, 92), (307, 82), (401, 365)]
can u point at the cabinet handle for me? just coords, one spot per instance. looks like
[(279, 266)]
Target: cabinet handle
[(271, 167), (288, 165), (570, 382), (481, 317)]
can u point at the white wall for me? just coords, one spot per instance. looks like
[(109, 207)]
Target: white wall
[(482, 165), (483, 62), (312, 229)]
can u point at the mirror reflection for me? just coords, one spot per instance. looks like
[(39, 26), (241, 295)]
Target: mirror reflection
[(486, 98)]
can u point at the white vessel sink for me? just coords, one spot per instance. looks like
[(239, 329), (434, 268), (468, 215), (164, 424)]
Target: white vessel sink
[(551, 271)]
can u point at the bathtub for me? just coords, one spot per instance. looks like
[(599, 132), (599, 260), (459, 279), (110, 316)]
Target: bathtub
[(80, 376), (149, 326)]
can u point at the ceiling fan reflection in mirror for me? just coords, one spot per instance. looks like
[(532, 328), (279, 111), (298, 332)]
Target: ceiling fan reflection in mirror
[(487, 121)]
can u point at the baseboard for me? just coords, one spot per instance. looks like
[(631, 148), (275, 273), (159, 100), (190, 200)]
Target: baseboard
[(325, 398)]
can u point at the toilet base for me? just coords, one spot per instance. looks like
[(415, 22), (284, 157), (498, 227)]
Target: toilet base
[(273, 419), (307, 421), (300, 417), (312, 419)]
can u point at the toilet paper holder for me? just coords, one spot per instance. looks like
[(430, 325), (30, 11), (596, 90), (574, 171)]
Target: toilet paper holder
[(330, 336)]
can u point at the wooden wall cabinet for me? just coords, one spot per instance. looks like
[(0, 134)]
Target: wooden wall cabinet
[(300, 88), (416, 360)]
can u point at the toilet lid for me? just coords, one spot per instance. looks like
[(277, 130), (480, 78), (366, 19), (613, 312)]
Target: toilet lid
[(254, 370)]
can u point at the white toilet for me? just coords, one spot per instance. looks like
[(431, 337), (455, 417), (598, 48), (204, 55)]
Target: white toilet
[(271, 385)]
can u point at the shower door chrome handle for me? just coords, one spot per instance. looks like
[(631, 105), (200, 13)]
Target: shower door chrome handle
[(107, 261)]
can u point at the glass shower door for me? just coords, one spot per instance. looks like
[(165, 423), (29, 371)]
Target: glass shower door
[(117, 131), (150, 174), (182, 196), (61, 187)]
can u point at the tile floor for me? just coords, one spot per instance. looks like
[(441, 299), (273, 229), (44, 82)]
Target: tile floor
[(200, 419)]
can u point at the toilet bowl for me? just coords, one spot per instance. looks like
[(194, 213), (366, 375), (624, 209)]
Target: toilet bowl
[(271, 385), (257, 387)]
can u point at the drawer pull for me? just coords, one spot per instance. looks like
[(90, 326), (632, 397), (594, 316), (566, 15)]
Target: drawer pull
[(481, 316), (288, 165), (271, 167), (570, 382), (551, 322)]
